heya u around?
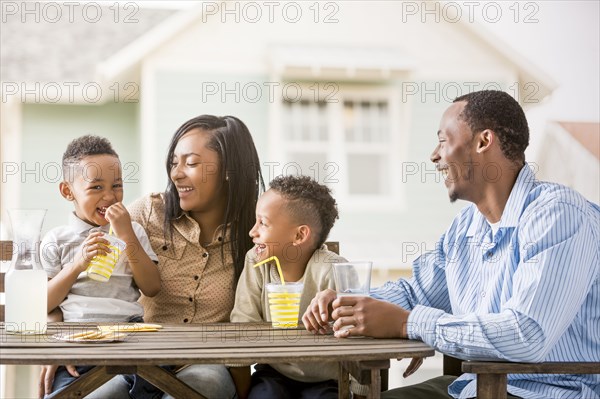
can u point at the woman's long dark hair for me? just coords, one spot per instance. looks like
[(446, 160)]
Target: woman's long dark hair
[(239, 168)]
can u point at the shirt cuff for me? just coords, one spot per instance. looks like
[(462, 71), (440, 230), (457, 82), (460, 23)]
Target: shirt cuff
[(422, 322)]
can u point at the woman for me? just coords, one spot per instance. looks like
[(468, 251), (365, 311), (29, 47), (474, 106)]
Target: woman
[(199, 229)]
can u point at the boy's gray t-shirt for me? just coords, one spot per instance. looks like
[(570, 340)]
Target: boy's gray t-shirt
[(90, 300)]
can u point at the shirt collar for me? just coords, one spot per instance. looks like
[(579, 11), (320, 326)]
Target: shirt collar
[(81, 227), (190, 230), (518, 195), (514, 206)]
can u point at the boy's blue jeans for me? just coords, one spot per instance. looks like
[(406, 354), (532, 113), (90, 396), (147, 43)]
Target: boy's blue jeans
[(211, 380)]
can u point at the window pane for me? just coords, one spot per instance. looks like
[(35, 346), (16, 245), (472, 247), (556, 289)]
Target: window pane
[(305, 120), (366, 121), (307, 164), (366, 173)]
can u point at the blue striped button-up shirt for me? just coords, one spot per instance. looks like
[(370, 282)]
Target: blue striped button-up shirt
[(528, 293)]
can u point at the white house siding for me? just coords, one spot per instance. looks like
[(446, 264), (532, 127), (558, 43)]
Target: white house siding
[(445, 58)]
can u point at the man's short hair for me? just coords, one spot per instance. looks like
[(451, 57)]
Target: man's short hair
[(82, 147), (309, 203), (498, 111)]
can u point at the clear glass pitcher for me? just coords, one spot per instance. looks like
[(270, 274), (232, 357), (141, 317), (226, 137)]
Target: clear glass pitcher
[(26, 281)]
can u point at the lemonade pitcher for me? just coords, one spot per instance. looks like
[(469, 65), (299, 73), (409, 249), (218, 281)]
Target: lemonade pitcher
[(26, 281)]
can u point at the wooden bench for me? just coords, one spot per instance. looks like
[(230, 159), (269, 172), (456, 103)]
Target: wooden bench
[(492, 376), (6, 248)]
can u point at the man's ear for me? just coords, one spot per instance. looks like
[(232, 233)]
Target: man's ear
[(485, 139), (303, 234), (65, 191)]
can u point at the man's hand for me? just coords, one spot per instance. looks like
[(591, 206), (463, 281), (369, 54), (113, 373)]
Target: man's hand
[(414, 365), (47, 378), (317, 315), (368, 317)]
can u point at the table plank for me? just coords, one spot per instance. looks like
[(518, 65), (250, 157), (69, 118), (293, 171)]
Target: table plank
[(219, 343)]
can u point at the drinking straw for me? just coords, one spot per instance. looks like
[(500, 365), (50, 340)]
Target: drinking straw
[(110, 230), (278, 267)]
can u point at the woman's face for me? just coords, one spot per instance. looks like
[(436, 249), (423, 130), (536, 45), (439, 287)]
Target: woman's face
[(195, 172)]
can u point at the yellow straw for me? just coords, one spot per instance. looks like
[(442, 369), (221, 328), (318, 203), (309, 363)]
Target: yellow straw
[(278, 267), (110, 230)]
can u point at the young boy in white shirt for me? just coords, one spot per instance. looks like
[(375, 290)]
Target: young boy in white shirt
[(92, 180)]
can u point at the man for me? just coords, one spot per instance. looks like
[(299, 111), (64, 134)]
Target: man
[(515, 277)]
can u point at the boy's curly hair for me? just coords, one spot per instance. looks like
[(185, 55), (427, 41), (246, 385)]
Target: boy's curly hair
[(82, 147), (308, 202)]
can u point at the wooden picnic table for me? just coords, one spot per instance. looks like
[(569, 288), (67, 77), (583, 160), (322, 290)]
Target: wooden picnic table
[(223, 343)]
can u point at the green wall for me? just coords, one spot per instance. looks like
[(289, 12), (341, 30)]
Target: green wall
[(46, 131)]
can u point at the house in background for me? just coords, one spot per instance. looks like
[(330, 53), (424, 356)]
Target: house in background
[(341, 92), (349, 94), (570, 155)]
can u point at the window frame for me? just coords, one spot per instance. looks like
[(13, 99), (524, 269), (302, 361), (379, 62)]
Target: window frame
[(337, 148)]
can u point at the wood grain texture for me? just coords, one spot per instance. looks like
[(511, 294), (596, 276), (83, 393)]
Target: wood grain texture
[(491, 386), (6, 250), (84, 386), (225, 343), (531, 368)]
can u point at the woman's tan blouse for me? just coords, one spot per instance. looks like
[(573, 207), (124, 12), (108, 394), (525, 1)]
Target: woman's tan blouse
[(197, 285)]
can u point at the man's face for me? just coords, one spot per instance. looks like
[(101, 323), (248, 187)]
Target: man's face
[(454, 154)]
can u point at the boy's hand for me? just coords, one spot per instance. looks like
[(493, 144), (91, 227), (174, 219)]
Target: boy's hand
[(120, 221), (47, 378), (93, 245), (317, 315)]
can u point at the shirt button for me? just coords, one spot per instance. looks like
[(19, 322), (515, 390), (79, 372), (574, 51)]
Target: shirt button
[(164, 247), (204, 255), (196, 277), (185, 320), (483, 294), (220, 239), (191, 299)]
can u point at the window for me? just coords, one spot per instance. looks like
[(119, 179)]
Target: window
[(348, 141)]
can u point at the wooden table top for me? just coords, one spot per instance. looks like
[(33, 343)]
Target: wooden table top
[(221, 343)]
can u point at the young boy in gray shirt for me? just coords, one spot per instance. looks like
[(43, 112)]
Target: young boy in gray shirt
[(92, 181)]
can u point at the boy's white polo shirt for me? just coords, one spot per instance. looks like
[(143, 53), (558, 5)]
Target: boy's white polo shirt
[(90, 300)]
